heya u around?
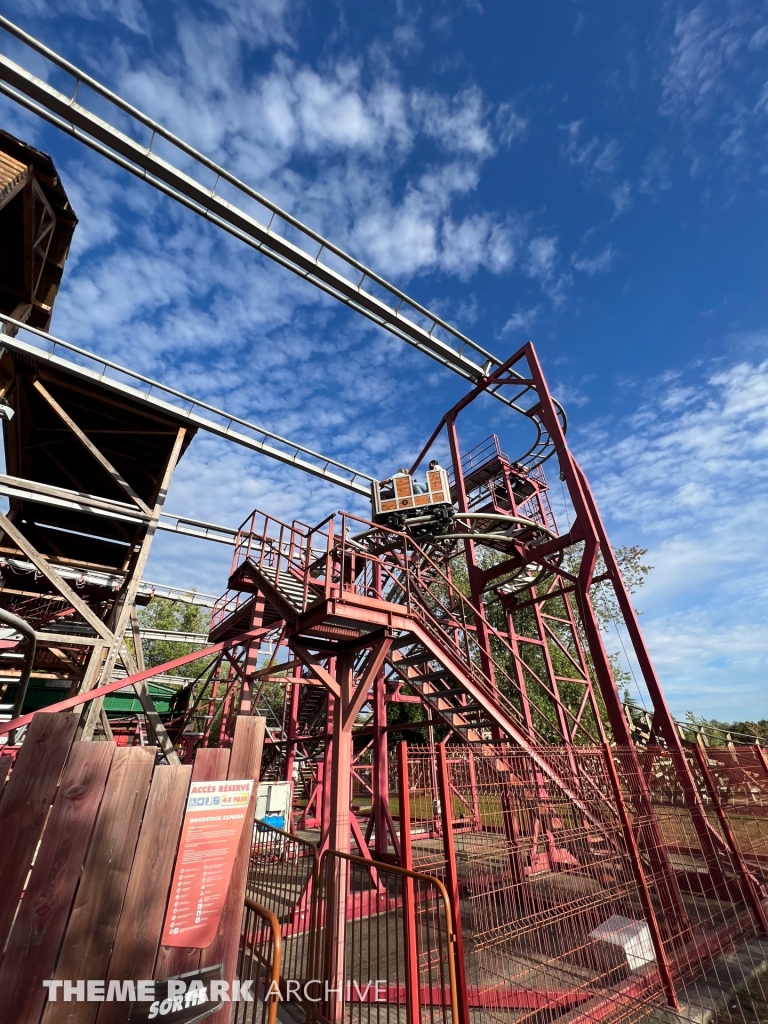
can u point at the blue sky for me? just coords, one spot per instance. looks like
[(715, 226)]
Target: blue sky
[(592, 176)]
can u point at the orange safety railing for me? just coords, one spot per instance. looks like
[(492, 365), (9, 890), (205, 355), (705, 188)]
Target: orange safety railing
[(258, 963), (386, 948)]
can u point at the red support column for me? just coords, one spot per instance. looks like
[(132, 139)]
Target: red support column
[(475, 583), (341, 761), (596, 542), (324, 803), (747, 878), (475, 792), (665, 970), (380, 767), (411, 951), (339, 839), (292, 726), (452, 880)]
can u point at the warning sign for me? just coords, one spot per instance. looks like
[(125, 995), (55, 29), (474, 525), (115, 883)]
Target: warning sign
[(213, 823)]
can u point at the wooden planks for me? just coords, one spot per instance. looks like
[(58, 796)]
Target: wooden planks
[(143, 912), (244, 763), (211, 764), (27, 797), (93, 922), (96, 899), (247, 747), (36, 936)]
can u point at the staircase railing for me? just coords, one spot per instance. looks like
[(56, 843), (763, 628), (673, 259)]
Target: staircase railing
[(328, 561), (406, 575)]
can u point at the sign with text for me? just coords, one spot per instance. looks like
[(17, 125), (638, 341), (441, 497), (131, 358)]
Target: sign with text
[(183, 999), (213, 823)]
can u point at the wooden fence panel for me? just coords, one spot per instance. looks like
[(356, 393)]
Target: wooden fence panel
[(143, 913), (245, 763), (211, 764), (95, 915), (37, 933), (27, 798)]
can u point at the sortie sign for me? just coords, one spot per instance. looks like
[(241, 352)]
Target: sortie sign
[(213, 823), (187, 1001)]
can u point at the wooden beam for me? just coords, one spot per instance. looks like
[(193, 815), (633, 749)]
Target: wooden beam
[(67, 638), (91, 447), (127, 599), (136, 634), (53, 577), (155, 724), (72, 498)]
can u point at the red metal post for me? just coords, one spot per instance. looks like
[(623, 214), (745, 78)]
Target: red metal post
[(596, 542), (452, 879), (475, 793), (380, 767), (292, 728), (341, 761), (747, 878), (409, 903), (762, 757), (665, 970), (475, 582)]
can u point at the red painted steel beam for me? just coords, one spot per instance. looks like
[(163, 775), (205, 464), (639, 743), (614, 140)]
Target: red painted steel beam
[(121, 684), (452, 880), (411, 952), (482, 386)]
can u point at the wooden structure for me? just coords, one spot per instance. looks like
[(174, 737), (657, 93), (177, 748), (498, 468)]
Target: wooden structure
[(36, 226), (88, 470), (108, 824)]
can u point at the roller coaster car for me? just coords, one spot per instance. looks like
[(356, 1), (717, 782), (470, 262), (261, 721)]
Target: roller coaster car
[(397, 504)]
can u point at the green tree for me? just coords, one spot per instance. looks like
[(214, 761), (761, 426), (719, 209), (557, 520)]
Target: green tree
[(175, 617), (716, 733)]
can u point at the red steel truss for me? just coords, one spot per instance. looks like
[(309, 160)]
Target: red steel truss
[(527, 794)]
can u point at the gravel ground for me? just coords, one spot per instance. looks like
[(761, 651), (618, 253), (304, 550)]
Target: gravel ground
[(750, 1007)]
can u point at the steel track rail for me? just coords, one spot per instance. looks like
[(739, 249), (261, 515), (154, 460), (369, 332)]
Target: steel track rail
[(192, 410), (309, 255)]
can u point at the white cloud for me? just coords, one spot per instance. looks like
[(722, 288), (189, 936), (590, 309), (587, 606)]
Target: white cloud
[(595, 264), (522, 320), (712, 81), (509, 124), (686, 475), (655, 176), (542, 256), (607, 159), (622, 198), (703, 48), (130, 13), (458, 123), (259, 22), (591, 155)]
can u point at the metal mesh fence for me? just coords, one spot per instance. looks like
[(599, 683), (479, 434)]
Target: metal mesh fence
[(282, 877), (384, 945), (627, 889)]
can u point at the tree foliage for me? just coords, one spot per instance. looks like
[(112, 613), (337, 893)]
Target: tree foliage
[(176, 617), (562, 652), (716, 733)]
